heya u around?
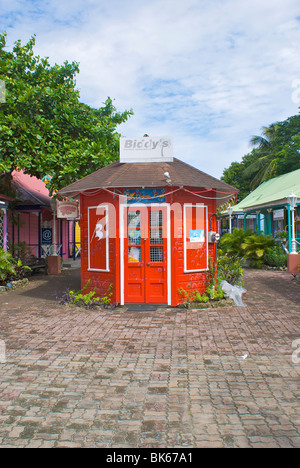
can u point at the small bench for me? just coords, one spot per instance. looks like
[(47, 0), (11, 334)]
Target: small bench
[(36, 264)]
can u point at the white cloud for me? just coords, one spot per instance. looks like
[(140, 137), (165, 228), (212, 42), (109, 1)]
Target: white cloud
[(210, 73)]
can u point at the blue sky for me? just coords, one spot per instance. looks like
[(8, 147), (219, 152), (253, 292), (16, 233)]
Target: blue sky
[(209, 73)]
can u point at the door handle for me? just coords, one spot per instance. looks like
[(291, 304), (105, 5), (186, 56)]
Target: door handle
[(148, 264)]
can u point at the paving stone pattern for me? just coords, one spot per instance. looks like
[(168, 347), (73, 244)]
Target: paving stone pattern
[(170, 378)]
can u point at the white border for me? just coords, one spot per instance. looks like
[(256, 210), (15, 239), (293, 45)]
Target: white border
[(186, 205), (122, 233), (107, 238)]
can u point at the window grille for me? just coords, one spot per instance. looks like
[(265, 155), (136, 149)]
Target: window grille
[(156, 254), (156, 236), (156, 218)]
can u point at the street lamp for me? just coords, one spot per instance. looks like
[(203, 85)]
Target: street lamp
[(229, 211), (53, 247), (292, 201)]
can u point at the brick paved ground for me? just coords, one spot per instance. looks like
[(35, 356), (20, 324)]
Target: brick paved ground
[(173, 378)]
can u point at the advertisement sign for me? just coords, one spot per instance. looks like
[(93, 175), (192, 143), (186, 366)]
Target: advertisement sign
[(197, 235), (67, 209), (278, 214), (195, 238), (145, 195), (146, 149), (46, 235)]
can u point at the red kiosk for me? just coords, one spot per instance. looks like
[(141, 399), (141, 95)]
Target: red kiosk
[(148, 223)]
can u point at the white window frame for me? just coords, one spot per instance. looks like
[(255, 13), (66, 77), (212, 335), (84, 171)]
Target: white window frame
[(193, 205), (122, 237), (102, 206)]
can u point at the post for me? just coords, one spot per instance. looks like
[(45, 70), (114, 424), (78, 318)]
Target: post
[(229, 210), (74, 240), (53, 247), (292, 200), (293, 256), (258, 219), (39, 238), (269, 221), (54, 262), (289, 228), (5, 229)]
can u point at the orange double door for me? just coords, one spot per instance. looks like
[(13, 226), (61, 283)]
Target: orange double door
[(145, 254)]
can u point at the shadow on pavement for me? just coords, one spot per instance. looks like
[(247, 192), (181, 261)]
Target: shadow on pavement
[(52, 286), (272, 286)]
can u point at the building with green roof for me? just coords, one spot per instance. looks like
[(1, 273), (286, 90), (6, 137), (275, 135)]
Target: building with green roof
[(268, 208)]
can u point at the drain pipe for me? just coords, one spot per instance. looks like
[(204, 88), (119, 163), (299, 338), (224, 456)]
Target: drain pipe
[(215, 242)]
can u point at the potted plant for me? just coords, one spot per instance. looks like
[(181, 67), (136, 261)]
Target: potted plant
[(281, 236)]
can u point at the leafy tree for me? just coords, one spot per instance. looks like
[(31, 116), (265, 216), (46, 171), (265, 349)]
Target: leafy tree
[(264, 164), (276, 152), (234, 175), (45, 129)]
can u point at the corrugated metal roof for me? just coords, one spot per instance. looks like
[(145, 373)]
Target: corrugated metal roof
[(120, 175), (272, 192), (31, 191)]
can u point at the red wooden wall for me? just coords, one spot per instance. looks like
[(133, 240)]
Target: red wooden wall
[(101, 280), (179, 279)]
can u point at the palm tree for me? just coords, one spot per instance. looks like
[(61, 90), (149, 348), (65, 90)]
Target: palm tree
[(264, 166)]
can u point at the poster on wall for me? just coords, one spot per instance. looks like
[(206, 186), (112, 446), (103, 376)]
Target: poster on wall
[(98, 259), (195, 238), (148, 195), (47, 236), (197, 235)]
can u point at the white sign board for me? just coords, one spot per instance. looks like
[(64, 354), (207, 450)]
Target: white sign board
[(278, 214), (67, 210), (146, 149)]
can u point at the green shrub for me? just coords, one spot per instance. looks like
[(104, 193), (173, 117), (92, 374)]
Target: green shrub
[(215, 293), (10, 268), (186, 295), (20, 250), (255, 247), (7, 268), (275, 257), (200, 297), (231, 243), (87, 300), (244, 245), (229, 268)]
